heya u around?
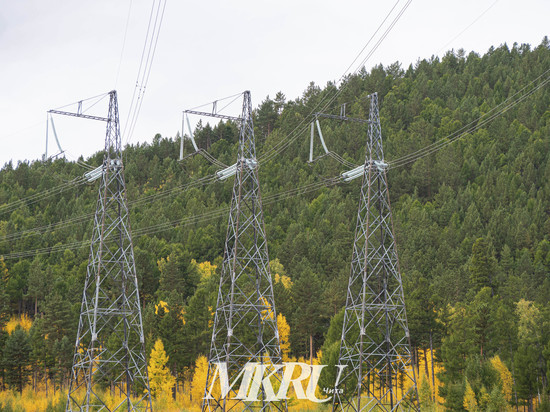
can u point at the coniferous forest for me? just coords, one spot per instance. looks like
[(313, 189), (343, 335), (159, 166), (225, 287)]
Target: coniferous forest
[(472, 223)]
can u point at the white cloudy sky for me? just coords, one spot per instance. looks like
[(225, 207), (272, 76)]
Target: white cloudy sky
[(56, 52)]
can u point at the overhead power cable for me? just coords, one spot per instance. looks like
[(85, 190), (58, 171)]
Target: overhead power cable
[(203, 217), (488, 117), (510, 102), (144, 71), (498, 110), (43, 229), (36, 197), (327, 100), (80, 103), (467, 27), (83, 218), (123, 42)]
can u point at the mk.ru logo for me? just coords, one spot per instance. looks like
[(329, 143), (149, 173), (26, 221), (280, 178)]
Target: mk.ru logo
[(253, 377)]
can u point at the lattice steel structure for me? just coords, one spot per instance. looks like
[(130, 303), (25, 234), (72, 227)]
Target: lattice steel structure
[(110, 352), (375, 338), (245, 321)]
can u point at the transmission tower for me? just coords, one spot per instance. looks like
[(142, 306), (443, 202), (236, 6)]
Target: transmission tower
[(245, 321), (375, 343), (110, 352)]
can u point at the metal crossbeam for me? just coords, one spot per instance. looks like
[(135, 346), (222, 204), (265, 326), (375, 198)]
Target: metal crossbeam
[(217, 115), (83, 116), (348, 119), (375, 337), (109, 352), (245, 321)]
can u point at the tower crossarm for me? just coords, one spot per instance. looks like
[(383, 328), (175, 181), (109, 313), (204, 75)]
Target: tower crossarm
[(216, 115), (81, 115), (339, 117)]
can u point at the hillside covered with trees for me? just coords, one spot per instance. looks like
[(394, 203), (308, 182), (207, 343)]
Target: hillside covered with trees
[(472, 222)]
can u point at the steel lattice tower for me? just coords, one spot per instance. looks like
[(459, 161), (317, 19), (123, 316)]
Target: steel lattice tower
[(110, 351), (375, 337), (245, 321)]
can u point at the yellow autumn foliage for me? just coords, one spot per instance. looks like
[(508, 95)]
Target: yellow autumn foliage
[(470, 402), (212, 312), (268, 312), (161, 263), (505, 377), (284, 337), (280, 275), (30, 400), (284, 280), (161, 380), (206, 269), (199, 381), (162, 305), (24, 321)]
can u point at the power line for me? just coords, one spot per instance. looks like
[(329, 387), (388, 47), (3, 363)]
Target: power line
[(324, 103), (474, 125), (141, 88), (150, 45), (409, 158), (467, 27), (187, 221), (500, 109), (29, 200), (82, 218), (123, 42)]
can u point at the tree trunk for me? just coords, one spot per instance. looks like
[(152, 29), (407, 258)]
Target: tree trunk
[(177, 384), (416, 361), (426, 364), (311, 349), (433, 367), (20, 383), (175, 387)]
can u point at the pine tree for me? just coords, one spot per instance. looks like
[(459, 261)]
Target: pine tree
[(178, 274), (160, 379), (4, 298), (17, 358), (425, 395), (39, 281), (308, 315), (482, 266), (198, 320), (480, 315)]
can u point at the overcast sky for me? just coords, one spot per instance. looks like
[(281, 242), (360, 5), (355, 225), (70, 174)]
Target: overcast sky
[(57, 52)]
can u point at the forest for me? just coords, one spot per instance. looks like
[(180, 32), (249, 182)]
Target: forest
[(472, 224)]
